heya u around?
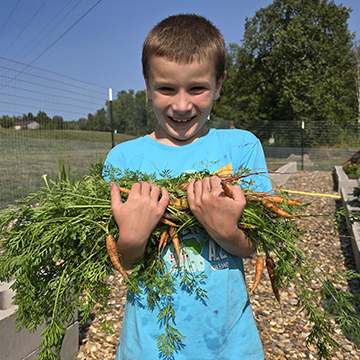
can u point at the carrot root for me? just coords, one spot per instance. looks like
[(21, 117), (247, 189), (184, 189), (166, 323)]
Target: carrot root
[(179, 204), (259, 267), (113, 253), (168, 222), (270, 265), (228, 192), (124, 190), (164, 236), (175, 240), (184, 186), (280, 200), (246, 227), (293, 202), (273, 208)]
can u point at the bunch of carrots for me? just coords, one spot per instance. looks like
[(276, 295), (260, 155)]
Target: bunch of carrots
[(267, 201)]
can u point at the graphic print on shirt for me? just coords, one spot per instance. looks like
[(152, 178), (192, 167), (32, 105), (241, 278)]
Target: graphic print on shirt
[(190, 255), (193, 255)]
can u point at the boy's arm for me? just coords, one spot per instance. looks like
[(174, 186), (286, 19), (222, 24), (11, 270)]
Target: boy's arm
[(136, 218), (220, 214)]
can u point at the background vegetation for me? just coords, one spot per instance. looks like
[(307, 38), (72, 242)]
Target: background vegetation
[(293, 81), (297, 61)]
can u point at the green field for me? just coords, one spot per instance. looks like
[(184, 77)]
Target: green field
[(27, 155)]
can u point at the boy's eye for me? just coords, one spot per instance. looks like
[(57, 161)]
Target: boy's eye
[(198, 89), (165, 89)]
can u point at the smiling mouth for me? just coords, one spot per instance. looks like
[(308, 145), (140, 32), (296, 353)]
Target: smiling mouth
[(182, 120)]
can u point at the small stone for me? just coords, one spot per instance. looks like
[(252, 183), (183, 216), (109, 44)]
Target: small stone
[(348, 348)]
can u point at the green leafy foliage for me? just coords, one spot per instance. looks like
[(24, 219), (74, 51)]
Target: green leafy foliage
[(54, 252), (352, 170), (295, 63)]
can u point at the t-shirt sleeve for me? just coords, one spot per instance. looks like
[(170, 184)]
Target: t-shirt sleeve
[(114, 159), (250, 155)]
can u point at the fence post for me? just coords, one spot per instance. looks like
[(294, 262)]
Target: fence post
[(302, 144), (111, 119)]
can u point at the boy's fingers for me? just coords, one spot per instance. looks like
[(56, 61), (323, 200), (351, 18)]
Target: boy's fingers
[(190, 194), (238, 195), (115, 197), (154, 191), (237, 191), (165, 198)]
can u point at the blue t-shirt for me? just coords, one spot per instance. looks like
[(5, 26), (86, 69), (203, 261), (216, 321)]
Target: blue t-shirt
[(221, 326)]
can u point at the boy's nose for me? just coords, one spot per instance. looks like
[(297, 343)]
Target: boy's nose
[(182, 103)]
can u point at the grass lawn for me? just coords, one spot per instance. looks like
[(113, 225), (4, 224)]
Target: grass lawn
[(27, 155)]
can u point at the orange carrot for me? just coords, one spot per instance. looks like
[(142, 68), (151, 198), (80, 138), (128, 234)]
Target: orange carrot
[(259, 267), (246, 227), (270, 265), (175, 240), (279, 200), (124, 190), (273, 208), (168, 222), (164, 236), (275, 199), (292, 202), (114, 257), (228, 192), (179, 204), (184, 186)]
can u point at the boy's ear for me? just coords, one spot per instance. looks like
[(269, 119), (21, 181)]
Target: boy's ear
[(148, 91), (219, 85)]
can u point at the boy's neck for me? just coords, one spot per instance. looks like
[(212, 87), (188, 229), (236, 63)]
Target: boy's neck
[(159, 136)]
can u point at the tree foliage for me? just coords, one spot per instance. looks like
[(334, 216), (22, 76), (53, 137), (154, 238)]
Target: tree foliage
[(131, 112), (296, 62)]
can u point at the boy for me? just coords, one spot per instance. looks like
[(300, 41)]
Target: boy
[(184, 68)]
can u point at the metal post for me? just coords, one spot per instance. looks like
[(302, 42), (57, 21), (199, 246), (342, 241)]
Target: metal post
[(302, 144), (111, 119)]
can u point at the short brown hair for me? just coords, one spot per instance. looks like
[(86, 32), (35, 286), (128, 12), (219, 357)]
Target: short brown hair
[(185, 38)]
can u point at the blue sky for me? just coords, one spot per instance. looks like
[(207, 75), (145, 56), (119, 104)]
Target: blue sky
[(103, 47)]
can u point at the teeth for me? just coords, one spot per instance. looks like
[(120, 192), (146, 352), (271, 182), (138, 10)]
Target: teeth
[(182, 120)]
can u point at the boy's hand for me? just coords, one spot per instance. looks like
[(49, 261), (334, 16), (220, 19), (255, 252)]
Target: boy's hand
[(137, 217), (220, 214)]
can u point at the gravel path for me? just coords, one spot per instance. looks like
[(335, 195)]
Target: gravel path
[(283, 331)]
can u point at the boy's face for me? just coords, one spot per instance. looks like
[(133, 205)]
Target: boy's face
[(182, 96)]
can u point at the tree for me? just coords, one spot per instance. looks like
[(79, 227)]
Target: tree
[(123, 111), (44, 120), (58, 122), (295, 63), (98, 122), (7, 122), (132, 114)]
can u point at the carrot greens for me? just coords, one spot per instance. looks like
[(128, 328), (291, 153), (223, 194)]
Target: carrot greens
[(54, 251)]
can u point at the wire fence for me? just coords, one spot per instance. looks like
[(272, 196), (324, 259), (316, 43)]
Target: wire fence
[(318, 145), (39, 111)]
